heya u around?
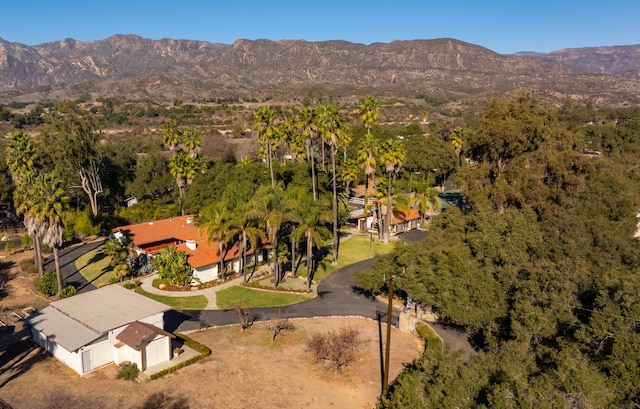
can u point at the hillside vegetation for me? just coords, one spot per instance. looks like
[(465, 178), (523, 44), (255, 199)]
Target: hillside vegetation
[(539, 264)]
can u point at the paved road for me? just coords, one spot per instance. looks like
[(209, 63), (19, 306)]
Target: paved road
[(68, 257), (337, 296)]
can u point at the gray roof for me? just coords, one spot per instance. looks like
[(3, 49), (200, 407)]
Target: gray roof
[(77, 321), (64, 331), (109, 307)]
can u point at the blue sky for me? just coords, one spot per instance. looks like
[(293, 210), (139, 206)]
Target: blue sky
[(502, 26)]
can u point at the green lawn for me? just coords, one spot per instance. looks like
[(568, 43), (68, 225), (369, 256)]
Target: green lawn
[(194, 302), (237, 296), (94, 267), (352, 250)]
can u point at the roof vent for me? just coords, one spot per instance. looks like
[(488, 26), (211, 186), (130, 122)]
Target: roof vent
[(189, 220)]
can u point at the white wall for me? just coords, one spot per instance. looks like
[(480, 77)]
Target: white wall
[(156, 319), (207, 273), (127, 354), (157, 351), (71, 359)]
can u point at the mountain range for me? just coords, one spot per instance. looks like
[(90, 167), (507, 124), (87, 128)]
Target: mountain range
[(130, 67)]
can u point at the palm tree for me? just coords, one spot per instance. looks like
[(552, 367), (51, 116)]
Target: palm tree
[(369, 108), (271, 205), (308, 127), (51, 202), (215, 220), (184, 169), (171, 135), (264, 123), (179, 167), (427, 199), (116, 250), (21, 160), (192, 142), (242, 223), (336, 134), (457, 141), (367, 160), (392, 157), (313, 217), (349, 174)]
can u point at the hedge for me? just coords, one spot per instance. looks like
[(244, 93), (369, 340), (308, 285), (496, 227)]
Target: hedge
[(204, 352)]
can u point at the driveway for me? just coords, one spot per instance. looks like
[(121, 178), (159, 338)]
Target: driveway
[(68, 257), (338, 295)]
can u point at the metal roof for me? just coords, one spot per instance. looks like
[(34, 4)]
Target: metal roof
[(108, 307), (66, 332)]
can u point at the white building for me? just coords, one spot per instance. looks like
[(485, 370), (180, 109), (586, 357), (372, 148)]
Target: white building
[(104, 326)]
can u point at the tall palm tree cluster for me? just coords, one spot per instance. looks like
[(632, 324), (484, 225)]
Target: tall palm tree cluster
[(314, 131), (275, 214), (185, 164), (39, 197)]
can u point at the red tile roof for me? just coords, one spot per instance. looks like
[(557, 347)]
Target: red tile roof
[(400, 217), (179, 230)]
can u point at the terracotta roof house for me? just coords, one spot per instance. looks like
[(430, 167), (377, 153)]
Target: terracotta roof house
[(183, 233), (405, 221), (400, 222), (104, 326)]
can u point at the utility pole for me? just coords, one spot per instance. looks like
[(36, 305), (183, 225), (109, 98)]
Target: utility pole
[(385, 381)]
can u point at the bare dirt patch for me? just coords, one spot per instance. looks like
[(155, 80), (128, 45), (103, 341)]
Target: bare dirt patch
[(246, 369)]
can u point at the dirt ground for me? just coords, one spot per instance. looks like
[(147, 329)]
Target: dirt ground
[(246, 369)]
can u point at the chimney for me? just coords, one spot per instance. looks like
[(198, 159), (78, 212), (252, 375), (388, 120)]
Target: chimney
[(191, 244)]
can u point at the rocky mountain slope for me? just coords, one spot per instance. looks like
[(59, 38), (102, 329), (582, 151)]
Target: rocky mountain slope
[(134, 68), (616, 60)]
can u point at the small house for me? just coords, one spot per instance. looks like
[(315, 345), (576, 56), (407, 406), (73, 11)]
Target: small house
[(104, 326)]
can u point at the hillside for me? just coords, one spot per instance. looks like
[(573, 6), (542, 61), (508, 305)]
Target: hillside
[(134, 68)]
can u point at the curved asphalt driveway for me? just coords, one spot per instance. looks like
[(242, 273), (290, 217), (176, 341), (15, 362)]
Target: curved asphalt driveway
[(68, 257), (338, 295)]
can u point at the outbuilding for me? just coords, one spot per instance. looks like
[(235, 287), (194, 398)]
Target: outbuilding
[(104, 326)]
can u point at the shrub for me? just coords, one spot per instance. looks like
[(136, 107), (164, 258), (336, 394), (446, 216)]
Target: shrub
[(172, 265), (28, 265), (9, 247), (429, 336), (48, 284), (68, 291), (131, 284), (128, 372), (84, 224), (337, 349), (26, 241)]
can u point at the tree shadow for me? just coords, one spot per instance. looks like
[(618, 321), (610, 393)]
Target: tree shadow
[(6, 275), (17, 358), (159, 400)]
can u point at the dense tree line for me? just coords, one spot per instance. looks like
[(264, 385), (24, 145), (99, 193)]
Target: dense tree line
[(538, 264)]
